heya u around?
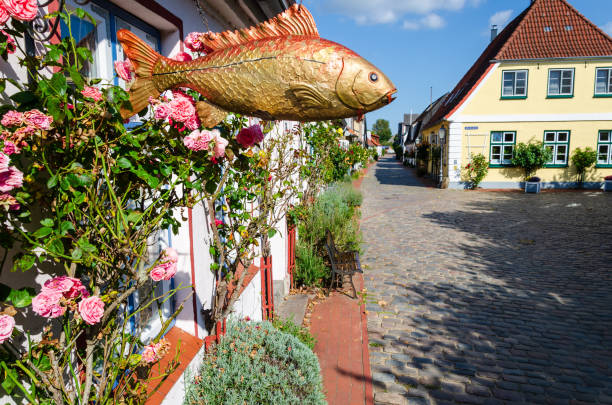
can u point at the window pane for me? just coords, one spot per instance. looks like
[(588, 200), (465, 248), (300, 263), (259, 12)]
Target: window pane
[(521, 75), (496, 137), (554, 82), (508, 83), (567, 74), (601, 83), (520, 90), (552, 159), (549, 137), (508, 136), (85, 34), (604, 136), (602, 154), (496, 154), (508, 154), (561, 154), (562, 136)]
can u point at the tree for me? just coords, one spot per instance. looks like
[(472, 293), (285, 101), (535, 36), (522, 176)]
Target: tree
[(531, 157), (382, 129), (583, 160)]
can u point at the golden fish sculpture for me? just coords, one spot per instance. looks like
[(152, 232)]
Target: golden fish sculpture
[(278, 70)]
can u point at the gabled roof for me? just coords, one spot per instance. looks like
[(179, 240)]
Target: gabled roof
[(546, 29), (374, 140)]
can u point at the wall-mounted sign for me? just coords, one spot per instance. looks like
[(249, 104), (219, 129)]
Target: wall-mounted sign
[(470, 128)]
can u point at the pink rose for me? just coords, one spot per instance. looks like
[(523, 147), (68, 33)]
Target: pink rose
[(171, 254), (24, 10), (12, 118), (124, 70), (10, 179), (220, 144), (4, 15), (162, 111), (182, 108), (167, 267), (7, 323), (24, 132), (198, 140), (218, 223), (70, 287), (10, 148), (182, 57), (158, 273), (92, 92), (193, 123), (193, 42), (47, 304), (5, 161), (38, 120), (8, 202), (149, 354), (250, 136), (91, 309)]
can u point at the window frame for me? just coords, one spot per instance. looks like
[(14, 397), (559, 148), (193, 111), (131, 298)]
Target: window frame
[(556, 143), (609, 143), (502, 144), (561, 95), (514, 96), (607, 94)]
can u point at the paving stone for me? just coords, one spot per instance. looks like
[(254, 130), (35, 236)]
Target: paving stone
[(493, 290)]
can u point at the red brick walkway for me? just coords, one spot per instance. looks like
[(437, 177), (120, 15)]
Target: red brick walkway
[(339, 324)]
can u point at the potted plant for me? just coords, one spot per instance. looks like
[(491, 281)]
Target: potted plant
[(583, 160), (608, 183), (531, 157), (533, 185)]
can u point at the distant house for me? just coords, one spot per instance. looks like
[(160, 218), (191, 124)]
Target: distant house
[(373, 142), (546, 77), (354, 129), (426, 135)]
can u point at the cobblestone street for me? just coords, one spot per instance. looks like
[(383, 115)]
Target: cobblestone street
[(486, 297)]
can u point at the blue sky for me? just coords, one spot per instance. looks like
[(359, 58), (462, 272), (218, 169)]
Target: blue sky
[(423, 43)]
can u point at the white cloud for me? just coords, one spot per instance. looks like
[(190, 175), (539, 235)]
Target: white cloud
[(431, 21), (501, 18), (389, 11), (607, 28)]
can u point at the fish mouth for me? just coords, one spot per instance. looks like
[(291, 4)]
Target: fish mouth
[(389, 97)]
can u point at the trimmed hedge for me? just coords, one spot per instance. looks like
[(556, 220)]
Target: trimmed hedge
[(257, 364)]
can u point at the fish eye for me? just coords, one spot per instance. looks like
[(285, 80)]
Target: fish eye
[(373, 77)]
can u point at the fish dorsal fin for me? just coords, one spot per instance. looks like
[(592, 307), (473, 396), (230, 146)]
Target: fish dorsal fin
[(296, 20)]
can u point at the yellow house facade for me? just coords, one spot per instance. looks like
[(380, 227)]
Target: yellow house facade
[(546, 77)]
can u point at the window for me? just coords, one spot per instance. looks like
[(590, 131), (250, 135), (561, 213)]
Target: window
[(560, 82), (514, 84), (604, 148), (603, 82), (558, 142), (502, 148)]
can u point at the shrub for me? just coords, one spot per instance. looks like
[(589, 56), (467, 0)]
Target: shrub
[(300, 332), (531, 157), (310, 268), (583, 160), (257, 364), (477, 169)]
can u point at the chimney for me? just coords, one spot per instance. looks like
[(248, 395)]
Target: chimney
[(493, 32)]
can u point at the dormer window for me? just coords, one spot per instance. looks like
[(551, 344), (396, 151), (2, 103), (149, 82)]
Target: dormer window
[(514, 84), (568, 28), (547, 29)]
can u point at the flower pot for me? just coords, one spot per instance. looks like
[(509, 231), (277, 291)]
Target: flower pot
[(532, 186), (607, 185)]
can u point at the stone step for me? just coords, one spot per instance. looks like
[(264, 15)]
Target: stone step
[(293, 307)]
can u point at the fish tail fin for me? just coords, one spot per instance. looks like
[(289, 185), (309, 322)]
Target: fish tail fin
[(144, 59)]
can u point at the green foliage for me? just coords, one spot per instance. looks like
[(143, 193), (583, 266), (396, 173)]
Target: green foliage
[(423, 151), (382, 129), (583, 160), (477, 169), (257, 364), (335, 209), (300, 332), (399, 152), (531, 157), (357, 154)]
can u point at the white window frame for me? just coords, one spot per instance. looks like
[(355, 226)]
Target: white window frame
[(607, 144), (608, 91), (555, 144), (514, 83), (560, 93), (503, 143)]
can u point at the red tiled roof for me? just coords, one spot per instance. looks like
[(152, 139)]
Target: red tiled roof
[(525, 38), (374, 140), (555, 29)]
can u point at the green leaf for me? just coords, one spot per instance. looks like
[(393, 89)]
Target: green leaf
[(65, 227), (22, 298), (2, 85), (85, 55), (271, 233), (86, 246), (47, 222), (58, 83), (124, 163), (56, 246), (43, 363), (24, 97), (42, 232), (77, 254), (76, 77), (9, 377), (52, 182)]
